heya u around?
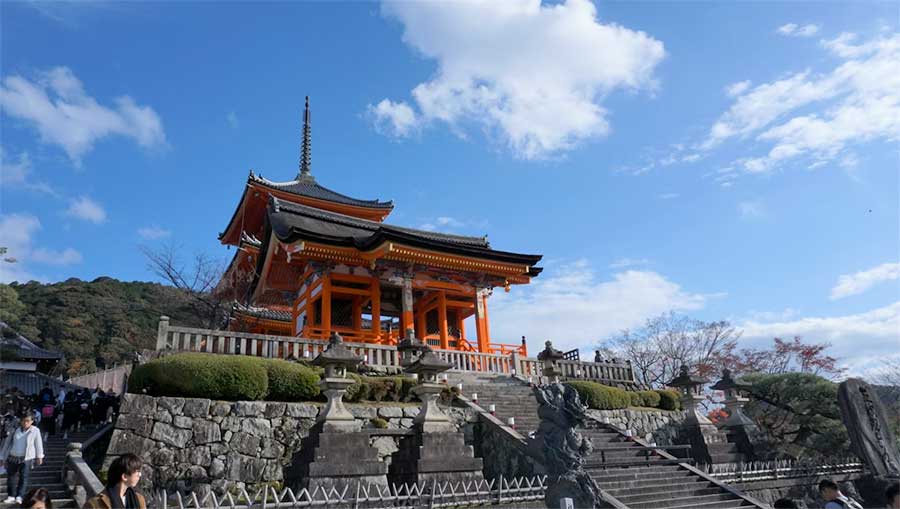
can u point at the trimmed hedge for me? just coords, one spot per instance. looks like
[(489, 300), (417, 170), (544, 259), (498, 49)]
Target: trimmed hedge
[(225, 377), (601, 397), (198, 375), (289, 381), (649, 398), (636, 399), (669, 399)]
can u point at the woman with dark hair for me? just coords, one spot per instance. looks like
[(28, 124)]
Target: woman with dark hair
[(38, 498), (123, 475)]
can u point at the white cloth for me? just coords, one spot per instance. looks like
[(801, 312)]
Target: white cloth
[(24, 443)]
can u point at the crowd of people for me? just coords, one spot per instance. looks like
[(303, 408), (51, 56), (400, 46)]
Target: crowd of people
[(26, 422)]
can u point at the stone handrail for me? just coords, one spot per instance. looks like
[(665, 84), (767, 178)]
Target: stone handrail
[(381, 357), (81, 481)]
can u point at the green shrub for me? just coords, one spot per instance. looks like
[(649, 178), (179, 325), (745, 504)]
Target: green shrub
[(378, 422), (601, 397), (289, 381), (669, 399), (649, 399), (636, 399), (200, 375)]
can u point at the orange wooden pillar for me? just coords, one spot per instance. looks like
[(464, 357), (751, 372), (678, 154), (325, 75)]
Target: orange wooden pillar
[(442, 319), (376, 307), (481, 324), (326, 306), (406, 317)]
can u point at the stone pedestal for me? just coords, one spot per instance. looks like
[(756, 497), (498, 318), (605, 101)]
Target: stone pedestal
[(338, 459), (441, 456), (430, 418), (335, 417)]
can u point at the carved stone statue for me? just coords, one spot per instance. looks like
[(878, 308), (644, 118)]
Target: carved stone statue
[(871, 439), (562, 448)]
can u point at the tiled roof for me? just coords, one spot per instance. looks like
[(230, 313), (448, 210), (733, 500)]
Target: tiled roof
[(24, 348), (263, 313), (307, 186)]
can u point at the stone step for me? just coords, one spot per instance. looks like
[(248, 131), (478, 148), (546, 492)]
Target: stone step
[(719, 504), (675, 501), (656, 492), (645, 478), (58, 503), (625, 487)]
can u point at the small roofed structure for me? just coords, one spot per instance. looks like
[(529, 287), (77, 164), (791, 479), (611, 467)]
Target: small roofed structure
[(17, 353)]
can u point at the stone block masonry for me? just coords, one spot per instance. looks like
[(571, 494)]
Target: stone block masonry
[(199, 444)]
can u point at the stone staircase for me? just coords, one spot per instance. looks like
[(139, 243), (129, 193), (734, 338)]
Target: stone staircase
[(47, 475), (511, 397), (641, 479), (637, 477)]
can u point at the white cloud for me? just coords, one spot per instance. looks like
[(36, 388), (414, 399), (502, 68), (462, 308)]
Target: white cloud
[(531, 75), (87, 209), (17, 232), (751, 209), (574, 307), (153, 232), (794, 30), (856, 339), (56, 104), (622, 263), (856, 102), (232, 120), (736, 89), (16, 174), (669, 196), (68, 256), (447, 224), (859, 282), (395, 119)]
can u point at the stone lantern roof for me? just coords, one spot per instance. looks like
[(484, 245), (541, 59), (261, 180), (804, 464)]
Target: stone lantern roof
[(728, 383), (428, 364), (337, 354), (685, 379), (550, 353)]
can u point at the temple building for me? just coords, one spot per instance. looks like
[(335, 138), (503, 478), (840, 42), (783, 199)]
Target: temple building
[(310, 261)]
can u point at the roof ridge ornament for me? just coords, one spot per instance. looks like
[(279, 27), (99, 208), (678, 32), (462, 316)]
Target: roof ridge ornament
[(306, 147)]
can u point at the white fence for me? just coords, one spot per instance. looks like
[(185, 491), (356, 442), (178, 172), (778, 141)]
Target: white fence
[(110, 380), (500, 492), (779, 469), (381, 357)]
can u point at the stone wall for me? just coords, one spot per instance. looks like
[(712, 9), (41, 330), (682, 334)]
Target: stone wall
[(199, 444), (661, 425)]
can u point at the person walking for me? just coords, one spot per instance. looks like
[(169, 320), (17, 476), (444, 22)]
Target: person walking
[(123, 475), (21, 450), (833, 497)]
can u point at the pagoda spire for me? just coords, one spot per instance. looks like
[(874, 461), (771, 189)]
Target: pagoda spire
[(306, 145)]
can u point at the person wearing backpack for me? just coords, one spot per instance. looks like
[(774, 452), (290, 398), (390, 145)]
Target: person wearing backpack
[(48, 420), (833, 497)]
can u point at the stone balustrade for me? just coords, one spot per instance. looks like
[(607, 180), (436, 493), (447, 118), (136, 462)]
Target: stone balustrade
[(382, 358)]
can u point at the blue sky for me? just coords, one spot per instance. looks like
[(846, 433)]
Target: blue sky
[(730, 161)]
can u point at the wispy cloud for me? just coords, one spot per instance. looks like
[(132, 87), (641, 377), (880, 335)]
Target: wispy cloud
[(17, 233), (445, 223), (859, 282), (573, 298), (795, 30), (622, 263), (18, 174), (487, 54), (57, 106), (751, 209), (669, 196), (86, 209), (857, 339), (153, 232)]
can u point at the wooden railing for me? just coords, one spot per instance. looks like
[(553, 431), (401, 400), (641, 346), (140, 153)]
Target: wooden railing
[(381, 357)]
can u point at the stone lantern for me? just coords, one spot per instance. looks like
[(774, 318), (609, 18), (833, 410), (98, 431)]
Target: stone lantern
[(691, 389), (410, 349), (426, 367), (336, 359), (550, 358), (734, 400)]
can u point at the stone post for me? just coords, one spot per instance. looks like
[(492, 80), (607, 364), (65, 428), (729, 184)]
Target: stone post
[(162, 333), (517, 363)]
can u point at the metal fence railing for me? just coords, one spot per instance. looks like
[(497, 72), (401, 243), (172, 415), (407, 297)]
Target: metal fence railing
[(497, 492), (780, 469)]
